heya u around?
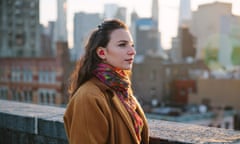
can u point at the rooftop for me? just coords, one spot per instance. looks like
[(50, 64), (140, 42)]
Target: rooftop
[(29, 123)]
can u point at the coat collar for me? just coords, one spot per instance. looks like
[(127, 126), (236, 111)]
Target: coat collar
[(119, 107), (125, 115)]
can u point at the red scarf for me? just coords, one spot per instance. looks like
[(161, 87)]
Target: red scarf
[(119, 82)]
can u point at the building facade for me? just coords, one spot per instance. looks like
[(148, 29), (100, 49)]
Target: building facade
[(61, 23), (19, 28), (36, 80), (147, 37), (205, 26), (83, 24), (185, 13), (217, 92), (153, 77), (112, 10)]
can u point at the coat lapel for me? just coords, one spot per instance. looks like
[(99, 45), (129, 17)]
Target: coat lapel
[(122, 110), (125, 116)]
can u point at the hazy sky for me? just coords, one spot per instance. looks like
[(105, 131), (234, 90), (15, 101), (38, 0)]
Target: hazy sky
[(168, 12)]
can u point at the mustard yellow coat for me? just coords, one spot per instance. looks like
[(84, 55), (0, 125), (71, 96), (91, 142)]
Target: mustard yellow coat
[(95, 115)]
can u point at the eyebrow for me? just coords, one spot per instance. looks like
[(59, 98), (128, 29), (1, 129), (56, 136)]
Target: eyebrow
[(125, 41)]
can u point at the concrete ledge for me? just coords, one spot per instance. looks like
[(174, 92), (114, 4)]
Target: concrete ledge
[(52, 127), (26, 117), (23, 123), (192, 134)]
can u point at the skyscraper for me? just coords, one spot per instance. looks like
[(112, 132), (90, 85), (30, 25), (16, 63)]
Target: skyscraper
[(84, 23), (19, 28), (184, 12), (155, 12), (206, 28), (115, 11), (61, 24), (157, 35)]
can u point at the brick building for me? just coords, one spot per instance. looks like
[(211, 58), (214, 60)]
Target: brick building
[(181, 90), (36, 80), (217, 92), (152, 78)]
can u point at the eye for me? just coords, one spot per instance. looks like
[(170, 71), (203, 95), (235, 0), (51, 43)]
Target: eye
[(122, 44)]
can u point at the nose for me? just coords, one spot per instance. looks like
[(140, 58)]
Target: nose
[(131, 51)]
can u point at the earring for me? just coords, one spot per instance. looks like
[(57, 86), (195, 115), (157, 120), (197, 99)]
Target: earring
[(101, 52)]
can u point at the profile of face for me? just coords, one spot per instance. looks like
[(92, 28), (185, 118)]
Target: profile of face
[(119, 51)]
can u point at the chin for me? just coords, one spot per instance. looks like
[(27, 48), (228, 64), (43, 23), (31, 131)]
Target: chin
[(128, 67), (125, 67)]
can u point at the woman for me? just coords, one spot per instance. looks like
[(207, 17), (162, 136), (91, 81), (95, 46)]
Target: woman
[(102, 108)]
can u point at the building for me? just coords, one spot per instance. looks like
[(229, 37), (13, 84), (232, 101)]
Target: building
[(84, 23), (217, 92), (181, 90), (47, 40), (146, 33), (147, 37), (114, 11), (61, 23), (121, 14), (206, 26), (155, 13), (175, 52), (36, 80), (183, 46), (134, 18), (229, 41), (19, 28), (153, 77), (196, 114), (185, 13)]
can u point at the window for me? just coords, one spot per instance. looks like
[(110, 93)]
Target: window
[(14, 94), (153, 75), (1, 74), (47, 96), (41, 98), (19, 39), (27, 75), (227, 125), (52, 77), (3, 93), (15, 74), (41, 76), (27, 96)]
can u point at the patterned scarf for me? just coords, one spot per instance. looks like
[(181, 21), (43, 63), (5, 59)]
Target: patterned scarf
[(119, 82)]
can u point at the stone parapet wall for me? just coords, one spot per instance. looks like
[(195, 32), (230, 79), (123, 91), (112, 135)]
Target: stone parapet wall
[(23, 123)]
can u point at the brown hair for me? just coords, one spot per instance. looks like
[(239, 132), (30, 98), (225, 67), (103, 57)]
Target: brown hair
[(86, 64)]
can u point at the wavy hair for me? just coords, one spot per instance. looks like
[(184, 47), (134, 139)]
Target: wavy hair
[(88, 62)]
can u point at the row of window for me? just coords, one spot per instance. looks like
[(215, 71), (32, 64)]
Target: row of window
[(3, 93), (27, 76), (25, 96), (45, 96)]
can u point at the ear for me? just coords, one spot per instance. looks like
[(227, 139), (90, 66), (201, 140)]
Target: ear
[(101, 52)]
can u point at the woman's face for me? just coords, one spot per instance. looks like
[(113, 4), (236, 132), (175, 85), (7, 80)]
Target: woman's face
[(120, 50)]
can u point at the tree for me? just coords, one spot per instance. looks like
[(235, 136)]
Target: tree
[(235, 57)]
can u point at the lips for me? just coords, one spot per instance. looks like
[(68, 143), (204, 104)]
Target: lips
[(129, 60)]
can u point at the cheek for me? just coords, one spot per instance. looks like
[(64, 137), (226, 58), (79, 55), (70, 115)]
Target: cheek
[(115, 57), (115, 54)]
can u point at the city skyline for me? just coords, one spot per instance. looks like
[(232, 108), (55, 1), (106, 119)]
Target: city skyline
[(168, 13)]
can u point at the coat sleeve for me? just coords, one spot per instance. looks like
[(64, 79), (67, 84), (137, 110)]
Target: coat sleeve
[(85, 119)]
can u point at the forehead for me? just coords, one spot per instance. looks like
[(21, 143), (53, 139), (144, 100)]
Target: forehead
[(120, 34)]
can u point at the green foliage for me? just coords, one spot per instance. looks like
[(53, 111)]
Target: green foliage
[(211, 55), (235, 57)]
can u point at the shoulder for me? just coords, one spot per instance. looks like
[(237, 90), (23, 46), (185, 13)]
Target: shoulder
[(92, 90)]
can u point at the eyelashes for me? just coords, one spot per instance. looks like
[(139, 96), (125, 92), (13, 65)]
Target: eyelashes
[(125, 44), (122, 44)]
